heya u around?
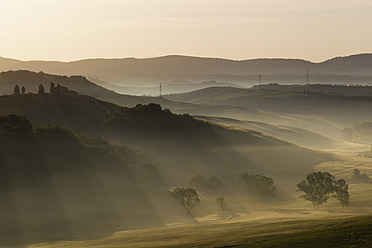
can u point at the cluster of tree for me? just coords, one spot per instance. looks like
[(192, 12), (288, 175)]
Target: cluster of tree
[(320, 186), (41, 91), (361, 178), (260, 186), (45, 150), (17, 90), (212, 184), (188, 198), (14, 124), (360, 132), (160, 119)]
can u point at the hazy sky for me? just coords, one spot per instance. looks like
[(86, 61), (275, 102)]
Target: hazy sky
[(237, 29)]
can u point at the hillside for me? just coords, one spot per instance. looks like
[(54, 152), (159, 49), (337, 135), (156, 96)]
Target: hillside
[(91, 188), (342, 110), (344, 89), (132, 71), (57, 185), (185, 145), (32, 80), (327, 232), (294, 135)]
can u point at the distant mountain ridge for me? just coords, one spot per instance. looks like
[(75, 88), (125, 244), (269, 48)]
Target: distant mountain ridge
[(175, 67)]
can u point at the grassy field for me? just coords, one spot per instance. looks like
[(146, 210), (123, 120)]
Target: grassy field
[(326, 232), (289, 224)]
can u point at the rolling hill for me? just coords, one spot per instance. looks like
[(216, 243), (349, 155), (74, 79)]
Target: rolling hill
[(90, 188), (31, 81), (168, 69), (289, 233), (334, 107), (185, 145), (294, 135), (57, 185), (343, 89)]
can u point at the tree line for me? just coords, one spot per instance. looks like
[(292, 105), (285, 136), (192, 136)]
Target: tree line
[(53, 89), (317, 187)]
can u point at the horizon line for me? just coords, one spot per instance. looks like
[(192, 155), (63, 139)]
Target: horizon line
[(186, 56)]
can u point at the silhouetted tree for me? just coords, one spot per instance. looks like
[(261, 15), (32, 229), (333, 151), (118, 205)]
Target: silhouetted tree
[(41, 90), (259, 185), (186, 197), (221, 205), (341, 190), (23, 90), (52, 88), (16, 90), (317, 187)]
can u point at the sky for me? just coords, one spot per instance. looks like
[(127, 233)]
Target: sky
[(235, 29)]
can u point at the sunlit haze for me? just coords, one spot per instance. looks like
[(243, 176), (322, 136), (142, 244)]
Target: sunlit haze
[(236, 29)]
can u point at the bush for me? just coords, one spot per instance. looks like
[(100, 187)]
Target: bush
[(14, 124)]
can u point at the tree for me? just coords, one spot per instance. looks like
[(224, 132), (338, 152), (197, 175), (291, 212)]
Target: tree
[(212, 184), (221, 205), (186, 197), (317, 187), (52, 88), (14, 124), (58, 89), (259, 185), (41, 90), (16, 90), (23, 90), (341, 190), (356, 174)]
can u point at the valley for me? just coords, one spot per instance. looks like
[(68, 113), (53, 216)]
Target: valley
[(103, 164)]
